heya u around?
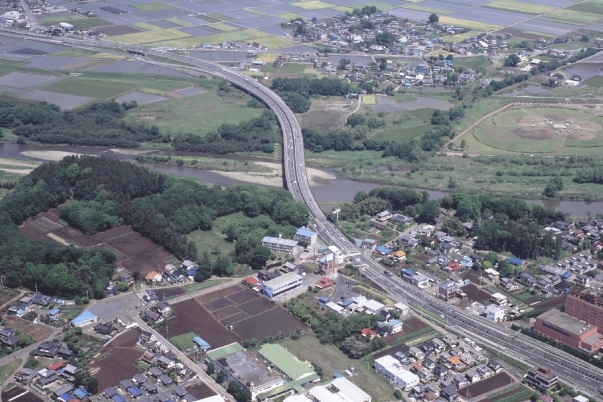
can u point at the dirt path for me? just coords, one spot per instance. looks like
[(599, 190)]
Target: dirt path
[(456, 137), (355, 110)]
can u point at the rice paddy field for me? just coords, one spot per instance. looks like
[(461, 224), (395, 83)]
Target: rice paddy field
[(539, 130)]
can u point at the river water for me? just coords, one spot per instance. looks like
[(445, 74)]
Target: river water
[(325, 190)]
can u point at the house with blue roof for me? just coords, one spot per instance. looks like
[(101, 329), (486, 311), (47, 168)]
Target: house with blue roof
[(383, 250), (81, 393), (135, 391), (306, 236), (54, 313), (86, 317), (516, 261), (407, 273), (66, 397), (118, 398), (371, 244), (466, 262), (323, 299), (203, 345)]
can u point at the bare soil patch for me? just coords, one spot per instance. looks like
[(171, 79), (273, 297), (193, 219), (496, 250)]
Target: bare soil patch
[(200, 391), (409, 326), (218, 294), (218, 304), (170, 292), (528, 120), (11, 395), (257, 306), (474, 293), (234, 318), (271, 322), (114, 30), (579, 135), (115, 365), (487, 385), (127, 339), (38, 332), (588, 125), (148, 259), (549, 304), (34, 231), (243, 297), (392, 351), (192, 317), (534, 133), (225, 312)]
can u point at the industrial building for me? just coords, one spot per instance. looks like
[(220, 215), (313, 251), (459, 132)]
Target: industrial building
[(569, 330), (242, 367), (279, 245), (281, 284), (339, 390), (586, 307)]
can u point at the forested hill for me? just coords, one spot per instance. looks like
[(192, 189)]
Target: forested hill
[(100, 193)]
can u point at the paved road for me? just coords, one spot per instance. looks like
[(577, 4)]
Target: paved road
[(570, 369)]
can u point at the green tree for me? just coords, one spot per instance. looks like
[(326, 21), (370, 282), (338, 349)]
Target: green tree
[(397, 393), (259, 257), (433, 18), (240, 394), (553, 187), (220, 377), (430, 212), (211, 368), (512, 60), (355, 120), (92, 384)]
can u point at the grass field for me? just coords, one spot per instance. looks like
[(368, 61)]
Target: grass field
[(184, 341), (193, 287), (151, 36), (273, 42), (312, 4), (286, 68), (427, 9), (90, 87), (220, 26), (55, 19), (596, 81), (369, 99), (167, 85), (519, 6), (76, 53), (87, 23), (327, 114), (343, 9), (191, 41), (146, 26), (332, 361), (589, 6), (153, 6), (197, 114), (179, 22), (289, 16), (8, 369), (478, 26), (571, 17)]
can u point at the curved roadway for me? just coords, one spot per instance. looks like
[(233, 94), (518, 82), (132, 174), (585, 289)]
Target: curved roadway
[(570, 369)]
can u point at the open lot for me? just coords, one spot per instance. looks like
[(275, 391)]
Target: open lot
[(200, 390), (475, 294), (190, 316), (111, 307), (541, 129), (115, 364), (487, 385), (37, 332)]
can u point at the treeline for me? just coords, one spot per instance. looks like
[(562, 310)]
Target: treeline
[(493, 86), (407, 201), (296, 92), (507, 224), (98, 124), (556, 63), (257, 134), (342, 331), (594, 175), (102, 193), (341, 140)]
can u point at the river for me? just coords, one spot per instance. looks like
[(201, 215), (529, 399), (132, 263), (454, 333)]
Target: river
[(325, 190)]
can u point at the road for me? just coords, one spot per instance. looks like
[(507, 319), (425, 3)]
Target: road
[(570, 369)]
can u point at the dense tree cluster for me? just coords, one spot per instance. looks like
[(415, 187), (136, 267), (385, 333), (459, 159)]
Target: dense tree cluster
[(594, 175), (296, 92), (257, 134), (488, 90), (338, 330), (507, 224), (99, 124), (99, 193)]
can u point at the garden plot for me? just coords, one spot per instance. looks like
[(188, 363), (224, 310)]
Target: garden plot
[(64, 101), (141, 98), (546, 27)]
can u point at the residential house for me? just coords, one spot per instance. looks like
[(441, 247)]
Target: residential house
[(151, 315), (165, 362), (163, 308), (105, 328), (41, 300), (153, 276), (472, 375), (449, 393), (421, 281)]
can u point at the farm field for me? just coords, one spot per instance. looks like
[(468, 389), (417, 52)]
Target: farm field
[(517, 393), (115, 364), (519, 6), (18, 394), (37, 332), (487, 385), (542, 129)]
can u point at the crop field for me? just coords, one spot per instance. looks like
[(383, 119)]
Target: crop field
[(312, 4), (478, 26), (220, 26), (589, 6), (190, 316), (596, 81), (517, 393), (180, 22), (91, 87), (115, 364), (146, 26), (18, 394), (542, 130), (184, 341), (37, 332), (487, 385), (250, 315), (572, 17), (519, 6), (152, 6), (148, 37), (88, 23), (427, 9)]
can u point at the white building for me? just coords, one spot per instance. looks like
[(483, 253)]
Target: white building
[(422, 281), (373, 307), (279, 245), (495, 313), (392, 369), (402, 308), (281, 284), (306, 236), (337, 253), (499, 299), (339, 390)]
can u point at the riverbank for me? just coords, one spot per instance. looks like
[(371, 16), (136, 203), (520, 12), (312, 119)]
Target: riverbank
[(518, 177)]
